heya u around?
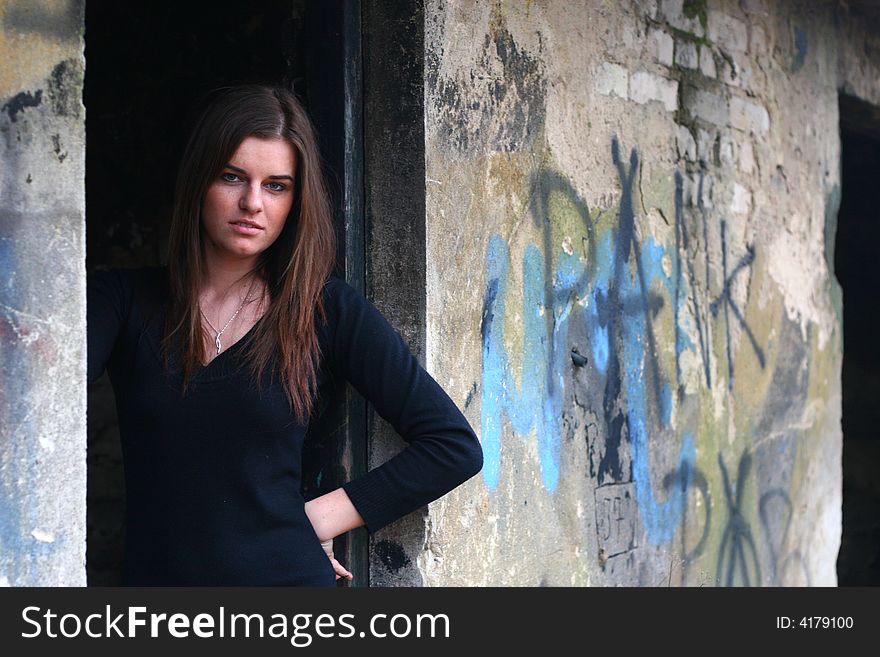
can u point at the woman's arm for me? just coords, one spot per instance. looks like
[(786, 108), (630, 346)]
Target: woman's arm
[(333, 514), (442, 449)]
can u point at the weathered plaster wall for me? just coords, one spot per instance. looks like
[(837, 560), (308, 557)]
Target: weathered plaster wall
[(630, 209), (42, 294)]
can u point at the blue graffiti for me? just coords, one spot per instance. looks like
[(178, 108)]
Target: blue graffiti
[(526, 406), (614, 293)]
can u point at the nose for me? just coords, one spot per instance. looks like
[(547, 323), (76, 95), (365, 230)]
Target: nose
[(251, 200)]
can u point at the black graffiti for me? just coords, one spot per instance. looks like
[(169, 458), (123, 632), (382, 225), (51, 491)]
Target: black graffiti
[(612, 307), (737, 543), (470, 395), (730, 305), (692, 478), (725, 298), (615, 519), (779, 562), (627, 243), (682, 243), (544, 184)]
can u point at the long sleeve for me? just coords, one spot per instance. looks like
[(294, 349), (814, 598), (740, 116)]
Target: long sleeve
[(442, 451), (106, 312)]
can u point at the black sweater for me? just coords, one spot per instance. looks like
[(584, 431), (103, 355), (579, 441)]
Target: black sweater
[(213, 477)]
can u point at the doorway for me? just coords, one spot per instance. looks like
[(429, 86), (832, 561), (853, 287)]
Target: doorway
[(147, 67), (858, 233)]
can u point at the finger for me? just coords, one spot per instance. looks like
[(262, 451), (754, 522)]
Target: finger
[(340, 570)]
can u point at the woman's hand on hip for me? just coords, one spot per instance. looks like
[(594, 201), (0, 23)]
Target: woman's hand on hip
[(338, 568)]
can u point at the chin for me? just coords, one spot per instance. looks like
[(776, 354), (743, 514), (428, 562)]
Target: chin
[(241, 254)]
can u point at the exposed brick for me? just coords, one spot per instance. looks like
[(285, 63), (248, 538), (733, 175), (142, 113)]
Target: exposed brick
[(754, 7), (629, 36), (672, 12), (758, 40), (661, 46), (707, 63), (747, 73), (739, 71), (742, 200), (728, 32), (748, 116), (725, 150), (688, 190), (686, 54), (746, 161), (704, 190), (697, 190), (687, 147), (612, 80), (645, 87), (705, 146), (709, 107), (729, 73)]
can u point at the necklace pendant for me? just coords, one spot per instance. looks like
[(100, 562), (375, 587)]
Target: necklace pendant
[(217, 342)]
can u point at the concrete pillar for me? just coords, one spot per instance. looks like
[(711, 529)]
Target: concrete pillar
[(42, 294)]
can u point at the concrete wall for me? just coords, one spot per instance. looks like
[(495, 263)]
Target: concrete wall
[(42, 294), (630, 219)]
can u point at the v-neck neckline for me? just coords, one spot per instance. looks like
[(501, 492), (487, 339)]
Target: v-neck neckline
[(233, 346), (209, 373)]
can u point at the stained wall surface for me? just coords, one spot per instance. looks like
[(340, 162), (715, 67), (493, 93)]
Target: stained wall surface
[(42, 294), (630, 218)]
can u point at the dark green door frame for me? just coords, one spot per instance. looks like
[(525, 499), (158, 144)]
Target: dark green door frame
[(337, 448)]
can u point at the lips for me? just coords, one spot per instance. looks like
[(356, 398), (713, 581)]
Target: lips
[(247, 224)]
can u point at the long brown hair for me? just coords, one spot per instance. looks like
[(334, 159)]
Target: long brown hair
[(294, 268)]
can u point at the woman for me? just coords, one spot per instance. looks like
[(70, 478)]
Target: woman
[(217, 360)]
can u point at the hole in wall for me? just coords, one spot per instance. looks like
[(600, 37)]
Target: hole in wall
[(855, 264)]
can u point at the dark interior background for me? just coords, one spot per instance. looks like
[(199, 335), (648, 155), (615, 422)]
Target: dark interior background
[(855, 264), (148, 66)]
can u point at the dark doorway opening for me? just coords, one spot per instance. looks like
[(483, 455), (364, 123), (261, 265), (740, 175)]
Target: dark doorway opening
[(855, 264), (148, 65)]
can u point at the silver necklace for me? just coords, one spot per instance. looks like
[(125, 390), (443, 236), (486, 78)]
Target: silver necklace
[(225, 326)]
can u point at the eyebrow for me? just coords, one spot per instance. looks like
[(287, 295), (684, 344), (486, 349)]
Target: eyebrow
[(240, 170)]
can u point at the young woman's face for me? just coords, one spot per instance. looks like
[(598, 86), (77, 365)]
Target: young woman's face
[(246, 206)]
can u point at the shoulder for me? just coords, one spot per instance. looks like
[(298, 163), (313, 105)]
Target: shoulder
[(351, 318), (341, 299), (336, 289)]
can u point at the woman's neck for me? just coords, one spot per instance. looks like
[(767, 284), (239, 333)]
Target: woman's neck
[(221, 276)]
